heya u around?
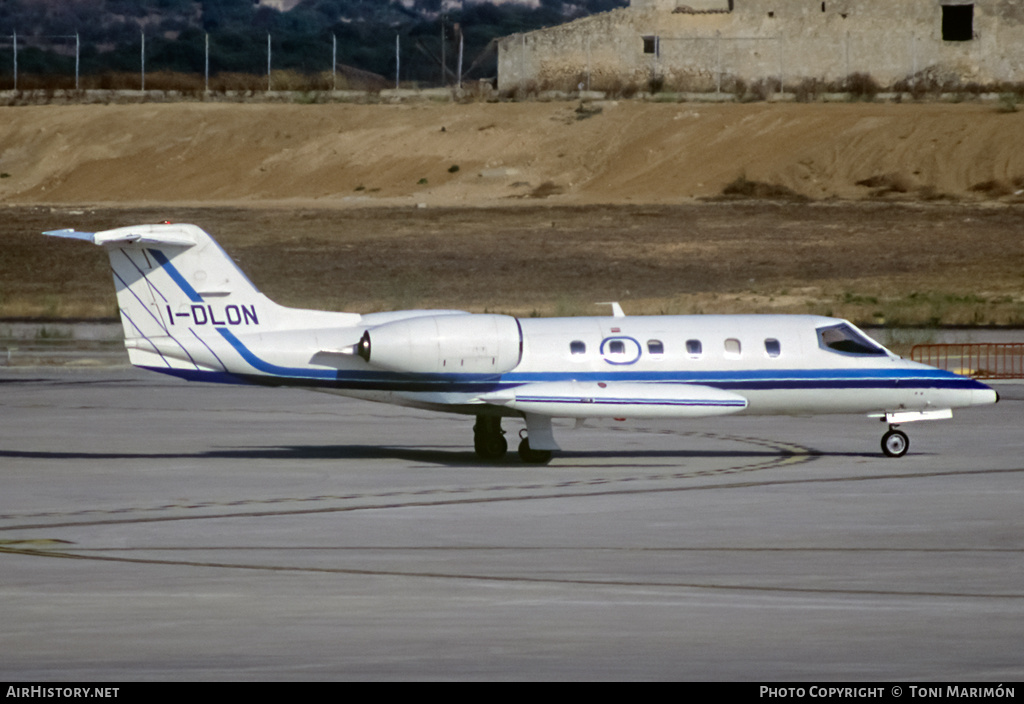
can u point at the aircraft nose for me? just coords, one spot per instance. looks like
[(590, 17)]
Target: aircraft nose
[(983, 397)]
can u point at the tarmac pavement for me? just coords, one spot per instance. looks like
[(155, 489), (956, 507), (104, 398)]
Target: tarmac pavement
[(152, 529)]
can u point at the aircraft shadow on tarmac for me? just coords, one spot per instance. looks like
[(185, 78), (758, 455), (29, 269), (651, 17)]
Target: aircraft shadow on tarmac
[(427, 454)]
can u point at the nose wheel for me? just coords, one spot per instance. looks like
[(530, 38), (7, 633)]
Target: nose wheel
[(895, 443)]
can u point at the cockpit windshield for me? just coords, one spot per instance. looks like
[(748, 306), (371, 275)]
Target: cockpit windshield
[(843, 338)]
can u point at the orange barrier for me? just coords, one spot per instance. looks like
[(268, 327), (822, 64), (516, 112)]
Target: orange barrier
[(982, 360)]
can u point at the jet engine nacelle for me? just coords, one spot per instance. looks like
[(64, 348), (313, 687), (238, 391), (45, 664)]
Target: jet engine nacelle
[(445, 344)]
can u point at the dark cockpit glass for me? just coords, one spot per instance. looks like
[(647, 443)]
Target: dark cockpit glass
[(843, 338)]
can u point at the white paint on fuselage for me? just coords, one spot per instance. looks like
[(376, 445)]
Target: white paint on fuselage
[(796, 352), (546, 342)]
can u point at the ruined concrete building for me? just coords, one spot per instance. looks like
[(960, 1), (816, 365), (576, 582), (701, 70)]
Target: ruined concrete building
[(708, 45)]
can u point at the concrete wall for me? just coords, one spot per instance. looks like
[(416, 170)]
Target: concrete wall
[(703, 45)]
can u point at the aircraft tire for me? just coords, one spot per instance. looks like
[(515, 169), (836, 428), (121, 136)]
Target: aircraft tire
[(490, 447), (488, 439), (895, 443), (531, 456)]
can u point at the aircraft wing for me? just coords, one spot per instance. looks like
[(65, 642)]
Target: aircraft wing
[(586, 399)]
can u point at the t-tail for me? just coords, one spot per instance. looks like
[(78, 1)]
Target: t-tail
[(181, 296)]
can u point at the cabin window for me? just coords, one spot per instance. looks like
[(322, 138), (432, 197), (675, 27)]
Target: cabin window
[(957, 23), (772, 347), (694, 348), (616, 347), (577, 347), (843, 338), (655, 347), (732, 347)]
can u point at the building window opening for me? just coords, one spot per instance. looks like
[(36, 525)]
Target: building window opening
[(822, 7), (957, 23), (651, 45)]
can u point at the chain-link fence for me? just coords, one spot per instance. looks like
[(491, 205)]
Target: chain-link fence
[(211, 62)]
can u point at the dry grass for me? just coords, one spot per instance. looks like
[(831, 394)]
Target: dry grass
[(745, 188)]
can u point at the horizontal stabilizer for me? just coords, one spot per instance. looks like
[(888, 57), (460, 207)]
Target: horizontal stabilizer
[(146, 235), (578, 399)]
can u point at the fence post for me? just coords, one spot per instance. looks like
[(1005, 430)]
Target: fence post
[(268, 62), (15, 37), (588, 62), (913, 60), (718, 61), (782, 77), (78, 53), (398, 59), (334, 62), (206, 65), (143, 58), (847, 49), (459, 78)]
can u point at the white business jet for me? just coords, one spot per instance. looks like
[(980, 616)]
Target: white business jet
[(190, 312)]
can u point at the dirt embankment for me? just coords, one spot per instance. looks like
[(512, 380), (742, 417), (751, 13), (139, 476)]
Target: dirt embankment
[(339, 155), (537, 208), (875, 263)]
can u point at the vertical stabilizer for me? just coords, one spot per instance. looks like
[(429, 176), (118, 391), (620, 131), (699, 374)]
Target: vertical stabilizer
[(176, 286)]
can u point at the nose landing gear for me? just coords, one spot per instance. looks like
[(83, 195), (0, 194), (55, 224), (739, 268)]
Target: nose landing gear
[(895, 443)]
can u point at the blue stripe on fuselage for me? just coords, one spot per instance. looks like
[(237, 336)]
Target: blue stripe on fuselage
[(748, 380), (184, 285), (354, 379)]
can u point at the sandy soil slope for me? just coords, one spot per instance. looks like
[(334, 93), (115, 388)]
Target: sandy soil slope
[(481, 154), (548, 210)]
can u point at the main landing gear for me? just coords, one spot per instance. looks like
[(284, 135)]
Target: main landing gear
[(895, 443), (490, 444), (531, 456), (488, 438)]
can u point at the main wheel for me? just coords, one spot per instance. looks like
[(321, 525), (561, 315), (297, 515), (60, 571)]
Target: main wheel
[(490, 447), (488, 438), (531, 456), (895, 443)]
